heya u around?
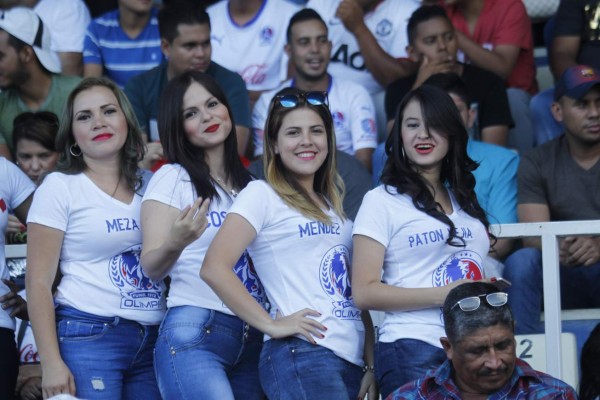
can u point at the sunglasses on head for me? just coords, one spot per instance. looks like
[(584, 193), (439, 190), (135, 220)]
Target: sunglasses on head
[(313, 98), (472, 303)]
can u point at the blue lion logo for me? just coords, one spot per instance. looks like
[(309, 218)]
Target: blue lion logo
[(460, 265), (334, 272), (244, 269), (125, 269), (340, 276)]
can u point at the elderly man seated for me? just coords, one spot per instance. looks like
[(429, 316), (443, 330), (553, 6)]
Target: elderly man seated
[(481, 350)]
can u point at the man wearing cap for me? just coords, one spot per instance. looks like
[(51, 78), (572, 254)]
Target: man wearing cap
[(29, 71), (481, 354), (560, 181)]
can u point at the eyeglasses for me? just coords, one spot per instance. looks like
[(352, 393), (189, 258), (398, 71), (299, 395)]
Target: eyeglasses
[(313, 98), (472, 303)]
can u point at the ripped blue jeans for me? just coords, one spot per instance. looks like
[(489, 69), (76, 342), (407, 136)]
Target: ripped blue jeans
[(110, 357)]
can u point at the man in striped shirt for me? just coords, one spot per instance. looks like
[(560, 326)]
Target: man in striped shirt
[(123, 43)]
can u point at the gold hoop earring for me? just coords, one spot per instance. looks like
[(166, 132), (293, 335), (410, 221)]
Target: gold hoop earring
[(72, 150)]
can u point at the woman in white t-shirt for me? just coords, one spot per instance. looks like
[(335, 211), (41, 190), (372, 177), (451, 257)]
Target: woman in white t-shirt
[(299, 240), (203, 350), (418, 235), (85, 219)]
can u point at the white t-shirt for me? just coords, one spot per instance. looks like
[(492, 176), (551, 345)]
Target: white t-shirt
[(254, 50), (352, 110), (304, 264), (417, 256), (15, 188), (387, 23), (67, 21), (171, 185), (100, 254)]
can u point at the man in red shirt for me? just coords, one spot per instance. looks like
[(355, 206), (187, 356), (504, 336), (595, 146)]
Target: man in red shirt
[(496, 35)]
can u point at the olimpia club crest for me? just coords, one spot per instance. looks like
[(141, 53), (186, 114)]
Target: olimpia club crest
[(244, 269), (460, 265), (137, 290), (335, 282)]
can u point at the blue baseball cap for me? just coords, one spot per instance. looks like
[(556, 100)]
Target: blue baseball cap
[(576, 81)]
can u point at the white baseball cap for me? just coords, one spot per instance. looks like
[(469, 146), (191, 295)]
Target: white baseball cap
[(24, 24)]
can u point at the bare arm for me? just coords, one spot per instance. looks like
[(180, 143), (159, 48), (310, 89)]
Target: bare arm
[(384, 68), (501, 60), (368, 384), (43, 252), (496, 134), (365, 157), (162, 247), (563, 54), (231, 240), (71, 63), (533, 213), (372, 294), (22, 209), (5, 152), (92, 70)]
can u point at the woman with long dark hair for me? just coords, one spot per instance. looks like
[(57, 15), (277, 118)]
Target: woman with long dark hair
[(203, 350), (418, 235), (85, 220), (299, 239)]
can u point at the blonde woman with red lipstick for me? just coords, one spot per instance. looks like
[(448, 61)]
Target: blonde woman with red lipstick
[(203, 350), (96, 337), (418, 235), (300, 241)]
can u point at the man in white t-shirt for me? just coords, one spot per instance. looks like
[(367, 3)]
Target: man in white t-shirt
[(309, 50), (247, 37), (369, 39)]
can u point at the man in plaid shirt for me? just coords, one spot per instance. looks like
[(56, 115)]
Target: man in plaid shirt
[(481, 350)]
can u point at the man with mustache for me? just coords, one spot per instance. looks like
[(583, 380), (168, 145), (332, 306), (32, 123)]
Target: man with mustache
[(481, 349)]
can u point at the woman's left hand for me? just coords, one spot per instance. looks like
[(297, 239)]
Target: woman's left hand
[(368, 386), (14, 301)]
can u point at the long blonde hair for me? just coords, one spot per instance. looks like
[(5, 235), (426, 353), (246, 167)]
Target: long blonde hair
[(327, 183)]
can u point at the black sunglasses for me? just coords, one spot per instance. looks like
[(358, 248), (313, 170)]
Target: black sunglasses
[(313, 98)]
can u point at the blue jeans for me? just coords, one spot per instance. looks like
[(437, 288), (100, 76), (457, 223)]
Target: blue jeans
[(206, 354), (545, 127), (110, 357), (521, 136), (404, 361), (294, 369), (579, 287)]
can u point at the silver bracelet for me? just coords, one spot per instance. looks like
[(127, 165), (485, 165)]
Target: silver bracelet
[(368, 368)]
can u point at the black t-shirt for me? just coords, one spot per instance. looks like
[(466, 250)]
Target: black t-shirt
[(485, 88), (580, 18)]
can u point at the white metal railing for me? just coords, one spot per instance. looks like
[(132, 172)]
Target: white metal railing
[(549, 233), (15, 251)]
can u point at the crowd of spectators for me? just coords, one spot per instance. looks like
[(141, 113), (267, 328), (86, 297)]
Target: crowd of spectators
[(538, 151)]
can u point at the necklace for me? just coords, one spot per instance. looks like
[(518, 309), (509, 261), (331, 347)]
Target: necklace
[(223, 186)]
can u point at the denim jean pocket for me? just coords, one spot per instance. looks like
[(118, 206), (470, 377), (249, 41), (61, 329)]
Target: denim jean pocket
[(182, 335), (72, 330)]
